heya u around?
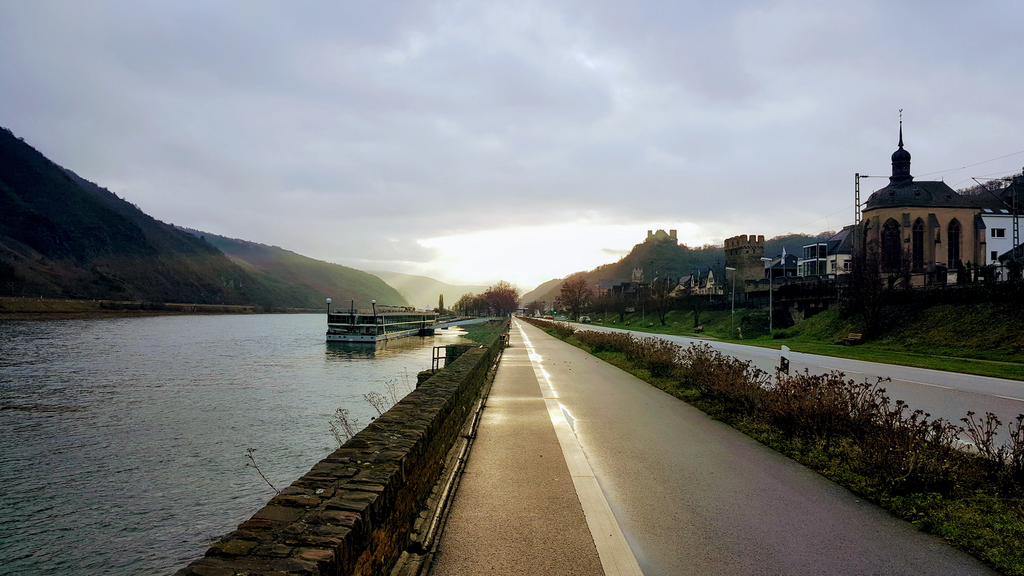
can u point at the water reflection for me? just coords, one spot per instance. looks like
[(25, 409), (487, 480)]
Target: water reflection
[(159, 412), (348, 351)]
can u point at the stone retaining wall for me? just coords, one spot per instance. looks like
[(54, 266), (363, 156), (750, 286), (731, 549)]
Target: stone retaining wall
[(353, 512)]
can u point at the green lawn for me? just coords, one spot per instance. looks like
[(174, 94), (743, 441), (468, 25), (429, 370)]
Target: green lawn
[(486, 332), (982, 339)]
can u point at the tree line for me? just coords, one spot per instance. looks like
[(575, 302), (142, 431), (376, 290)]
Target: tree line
[(500, 299)]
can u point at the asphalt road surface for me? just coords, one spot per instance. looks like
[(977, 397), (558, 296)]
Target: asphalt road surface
[(694, 496), (946, 395)]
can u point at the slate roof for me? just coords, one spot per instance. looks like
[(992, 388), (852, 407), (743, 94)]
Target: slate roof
[(1015, 254), (998, 202), (841, 242), (924, 194)]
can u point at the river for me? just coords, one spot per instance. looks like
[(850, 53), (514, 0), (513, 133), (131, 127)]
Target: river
[(123, 441)]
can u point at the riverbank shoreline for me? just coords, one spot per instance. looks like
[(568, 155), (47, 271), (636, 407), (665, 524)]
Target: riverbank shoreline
[(13, 308)]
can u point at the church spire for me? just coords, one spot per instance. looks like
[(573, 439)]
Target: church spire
[(900, 161)]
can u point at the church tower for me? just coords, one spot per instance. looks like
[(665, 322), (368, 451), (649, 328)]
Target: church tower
[(900, 162)]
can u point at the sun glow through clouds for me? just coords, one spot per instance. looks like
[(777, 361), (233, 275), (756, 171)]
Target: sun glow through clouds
[(531, 255)]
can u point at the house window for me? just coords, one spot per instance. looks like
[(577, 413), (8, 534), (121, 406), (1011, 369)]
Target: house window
[(953, 237), (995, 256), (917, 244), (999, 232), (846, 265)]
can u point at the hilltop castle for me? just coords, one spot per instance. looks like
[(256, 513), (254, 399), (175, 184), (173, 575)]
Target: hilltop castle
[(661, 236)]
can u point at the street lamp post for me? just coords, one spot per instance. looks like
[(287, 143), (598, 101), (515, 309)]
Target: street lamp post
[(771, 286), (732, 317), (328, 308), (374, 304)]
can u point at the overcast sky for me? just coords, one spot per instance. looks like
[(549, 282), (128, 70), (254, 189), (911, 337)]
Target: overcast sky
[(477, 141)]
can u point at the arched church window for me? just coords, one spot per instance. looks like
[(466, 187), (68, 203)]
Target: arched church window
[(953, 243), (917, 244), (891, 245)]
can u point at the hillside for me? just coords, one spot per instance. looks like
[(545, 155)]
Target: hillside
[(422, 291), (540, 293), (64, 237), (301, 278), (668, 259)]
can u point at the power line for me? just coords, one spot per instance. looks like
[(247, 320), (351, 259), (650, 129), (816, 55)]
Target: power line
[(825, 217), (971, 165), (949, 170)]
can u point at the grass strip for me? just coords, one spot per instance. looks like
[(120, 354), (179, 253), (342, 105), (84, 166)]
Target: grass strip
[(978, 514), (485, 332), (933, 341)]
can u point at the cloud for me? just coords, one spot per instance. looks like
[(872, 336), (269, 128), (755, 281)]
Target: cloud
[(355, 132)]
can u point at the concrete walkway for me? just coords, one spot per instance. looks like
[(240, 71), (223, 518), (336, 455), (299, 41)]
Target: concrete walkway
[(565, 439), (516, 510)]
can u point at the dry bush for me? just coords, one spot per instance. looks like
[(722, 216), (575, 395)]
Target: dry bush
[(604, 341), (343, 426), (712, 372), (1004, 464), (659, 357), (824, 407), (563, 329), (378, 401), (907, 453)]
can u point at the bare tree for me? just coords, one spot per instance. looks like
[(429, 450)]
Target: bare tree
[(576, 295), (469, 303), (696, 303), (866, 290), (661, 299), (502, 298)]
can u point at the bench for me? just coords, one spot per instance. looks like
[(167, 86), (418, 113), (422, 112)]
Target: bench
[(699, 329), (852, 338)]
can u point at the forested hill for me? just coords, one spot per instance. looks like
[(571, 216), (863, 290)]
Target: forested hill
[(64, 237), (667, 258), (305, 278)]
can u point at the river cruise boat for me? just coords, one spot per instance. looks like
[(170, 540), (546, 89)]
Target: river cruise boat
[(379, 324)]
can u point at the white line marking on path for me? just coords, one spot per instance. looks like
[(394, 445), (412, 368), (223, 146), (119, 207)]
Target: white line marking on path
[(927, 384), (1010, 398), (616, 556)]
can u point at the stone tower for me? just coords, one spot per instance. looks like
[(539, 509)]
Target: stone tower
[(744, 253)]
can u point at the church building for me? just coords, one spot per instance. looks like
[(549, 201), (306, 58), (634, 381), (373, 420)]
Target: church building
[(926, 226)]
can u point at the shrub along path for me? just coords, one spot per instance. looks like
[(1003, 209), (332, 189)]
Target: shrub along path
[(941, 394), (851, 432)]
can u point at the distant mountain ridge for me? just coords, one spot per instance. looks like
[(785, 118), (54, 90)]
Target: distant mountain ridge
[(422, 291), (304, 277), (62, 236)]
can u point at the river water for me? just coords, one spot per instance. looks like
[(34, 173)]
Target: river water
[(123, 441)]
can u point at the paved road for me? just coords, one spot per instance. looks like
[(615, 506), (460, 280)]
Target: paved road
[(516, 510), (946, 395), (693, 496)]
